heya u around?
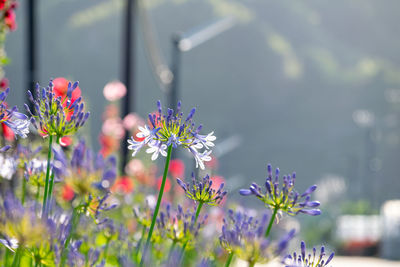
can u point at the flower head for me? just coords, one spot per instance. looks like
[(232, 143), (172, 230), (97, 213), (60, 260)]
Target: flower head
[(243, 235), (202, 191), (15, 120), (172, 129), (311, 260), (285, 199), (180, 227), (52, 114)]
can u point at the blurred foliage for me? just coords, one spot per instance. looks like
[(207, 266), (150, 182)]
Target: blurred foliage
[(359, 207)]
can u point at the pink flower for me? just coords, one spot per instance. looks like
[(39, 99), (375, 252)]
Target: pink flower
[(114, 91)]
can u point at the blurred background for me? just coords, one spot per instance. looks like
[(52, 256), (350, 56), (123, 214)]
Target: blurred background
[(308, 86)]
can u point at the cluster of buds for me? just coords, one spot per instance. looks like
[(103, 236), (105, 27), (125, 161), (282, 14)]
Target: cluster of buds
[(243, 236), (310, 260), (173, 130), (286, 199), (181, 227), (85, 174), (52, 115), (202, 191)]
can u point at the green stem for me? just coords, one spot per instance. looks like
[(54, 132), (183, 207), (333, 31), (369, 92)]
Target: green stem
[(6, 257), (141, 240), (106, 249), (50, 188), (251, 264), (46, 186), (198, 211), (229, 260), (195, 220), (271, 221), (23, 190), (74, 221), (160, 194), (171, 250), (17, 257)]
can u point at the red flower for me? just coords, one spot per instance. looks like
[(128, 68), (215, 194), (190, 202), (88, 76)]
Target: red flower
[(176, 168), (67, 193), (167, 184), (7, 132), (123, 185), (10, 19), (60, 89)]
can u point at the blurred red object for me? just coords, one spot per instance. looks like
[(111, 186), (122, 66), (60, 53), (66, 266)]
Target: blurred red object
[(7, 132), (212, 164), (60, 89), (176, 168), (65, 141), (67, 193), (123, 185), (4, 83), (167, 184)]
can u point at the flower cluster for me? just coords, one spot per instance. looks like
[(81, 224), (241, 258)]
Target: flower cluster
[(173, 130), (243, 236), (52, 114), (286, 199), (181, 227), (301, 260), (85, 174), (8, 18), (202, 191), (15, 120)]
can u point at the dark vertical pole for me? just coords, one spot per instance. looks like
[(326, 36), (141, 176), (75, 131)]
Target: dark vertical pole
[(31, 45), (175, 69), (173, 94), (128, 78)]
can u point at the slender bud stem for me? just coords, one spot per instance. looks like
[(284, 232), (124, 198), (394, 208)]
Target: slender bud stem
[(271, 221), (160, 194), (46, 186), (229, 260), (23, 190)]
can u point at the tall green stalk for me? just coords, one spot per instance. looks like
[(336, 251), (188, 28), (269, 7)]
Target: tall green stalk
[(271, 221), (23, 190), (46, 186), (160, 194), (195, 220), (229, 260)]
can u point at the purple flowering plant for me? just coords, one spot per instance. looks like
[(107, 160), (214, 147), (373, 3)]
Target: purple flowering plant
[(81, 219)]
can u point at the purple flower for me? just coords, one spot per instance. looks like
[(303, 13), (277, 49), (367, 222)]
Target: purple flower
[(179, 226), (310, 260), (202, 191), (243, 236), (52, 115), (172, 129), (286, 198), (15, 120)]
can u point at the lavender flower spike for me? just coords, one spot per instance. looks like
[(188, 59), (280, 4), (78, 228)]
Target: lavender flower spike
[(202, 191), (172, 129), (285, 199), (56, 116)]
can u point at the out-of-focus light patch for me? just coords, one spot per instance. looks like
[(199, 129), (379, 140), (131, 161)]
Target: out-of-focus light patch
[(325, 60), (114, 91), (392, 95), (330, 187), (225, 8), (363, 118), (292, 67), (367, 67), (94, 14), (359, 228), (8, 167), (391, 217), (303, 10)]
